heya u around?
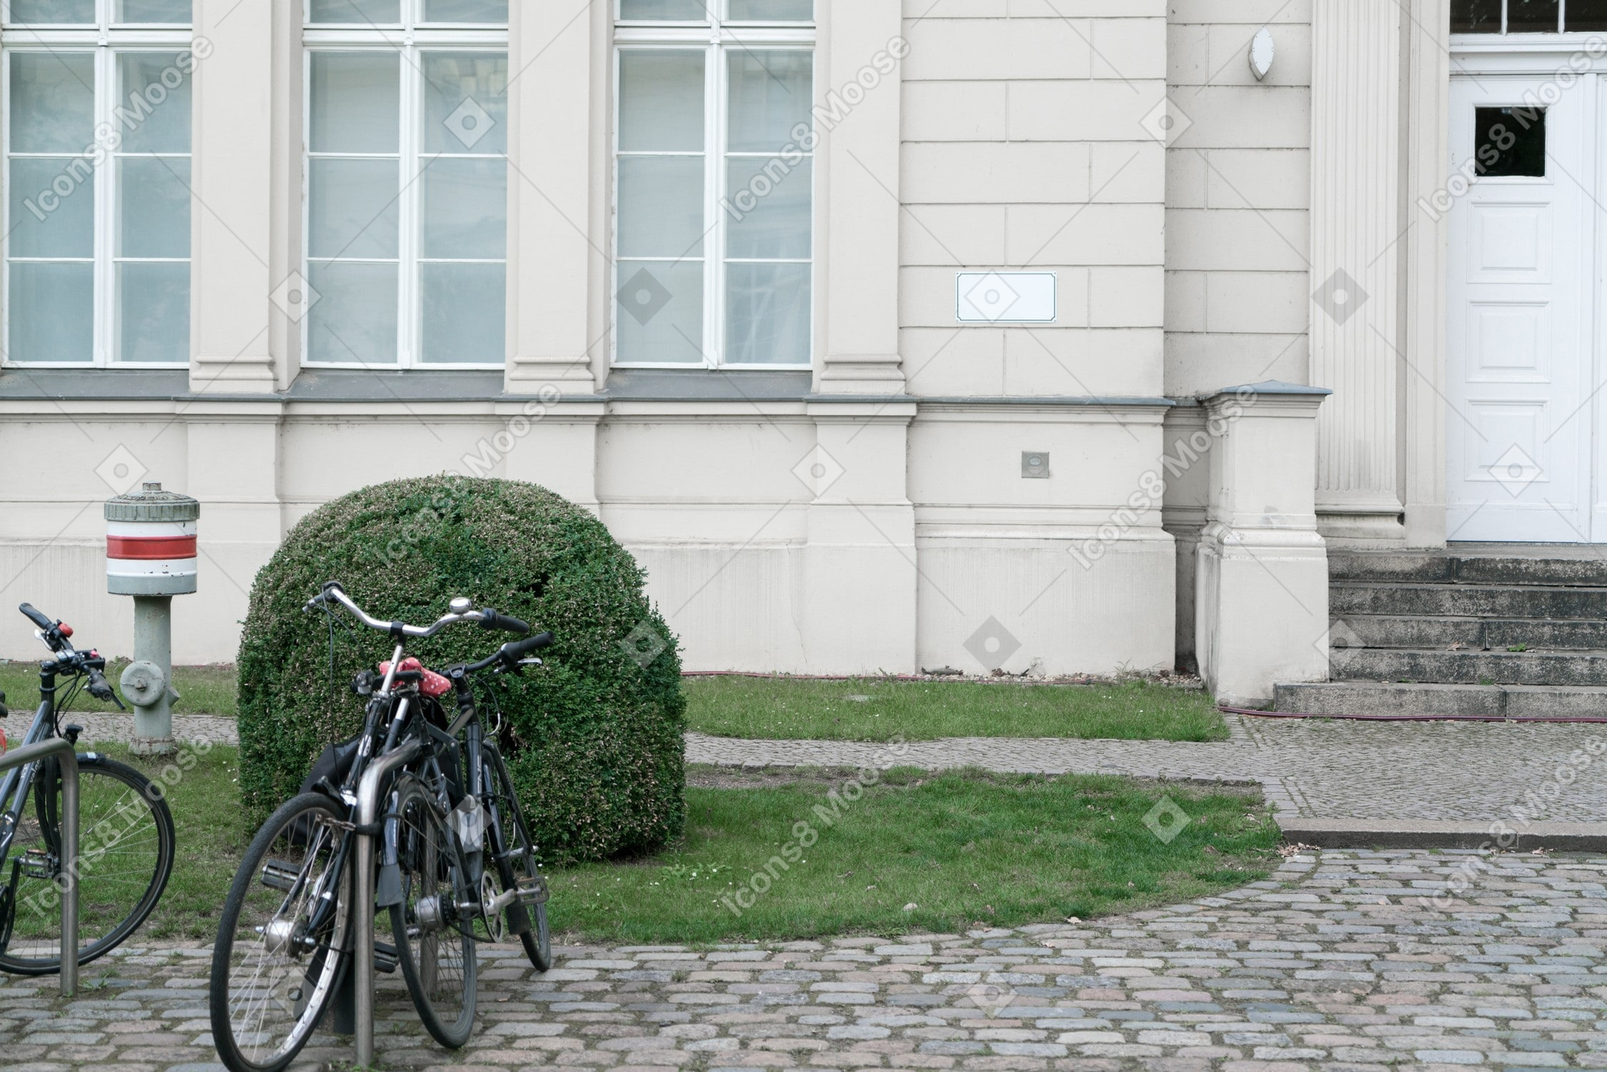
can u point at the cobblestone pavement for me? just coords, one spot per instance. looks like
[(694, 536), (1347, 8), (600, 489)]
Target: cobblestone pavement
[(1343, 960), (1329, 769), (214, 729)]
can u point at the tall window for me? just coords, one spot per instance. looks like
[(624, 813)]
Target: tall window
[(1528, 16), (407, 182), (97, 175), (713, 183)]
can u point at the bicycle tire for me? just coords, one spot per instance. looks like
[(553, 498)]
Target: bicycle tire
[(517, 862), (434, 941), (297, 847), (125, 853)]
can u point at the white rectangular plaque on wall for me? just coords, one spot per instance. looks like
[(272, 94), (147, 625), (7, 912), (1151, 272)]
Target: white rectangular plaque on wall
[(1004, 297)]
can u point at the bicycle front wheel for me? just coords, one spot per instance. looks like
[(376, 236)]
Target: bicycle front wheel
[(513, 849), (434, 937), (280, 952), (125, 855)]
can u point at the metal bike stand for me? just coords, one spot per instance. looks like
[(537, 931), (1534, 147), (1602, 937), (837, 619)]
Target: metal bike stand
[(368, 791), (62, 749)]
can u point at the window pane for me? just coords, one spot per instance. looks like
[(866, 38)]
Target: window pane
[(352, 208), (465, 313), (767, 316), (1476, 16), (153, 207), (768, 213), (356, 11), (44, 222), (1532, 16), (661, 101), (52, 101), (354, 318), (153, 306), (466, 102), (659, 312), (52, 312), (155, 102), (661, 206), (1586, 15), (675, 10), (1510, 142), (53, 11), (466, 11), (154, 11), (466, 209), (356, 102), (770, 95), (760, 10)]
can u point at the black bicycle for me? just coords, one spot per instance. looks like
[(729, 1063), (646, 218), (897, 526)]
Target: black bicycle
[(285, 942), (125, 832)]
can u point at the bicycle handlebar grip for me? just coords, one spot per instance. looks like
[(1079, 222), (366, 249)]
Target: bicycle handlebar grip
[(518, 649), (493, 620), (34, 615)]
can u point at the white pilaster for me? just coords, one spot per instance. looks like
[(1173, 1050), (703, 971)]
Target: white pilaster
[(1356, 342)]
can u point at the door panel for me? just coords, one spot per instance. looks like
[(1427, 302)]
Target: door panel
[(1521, 298)]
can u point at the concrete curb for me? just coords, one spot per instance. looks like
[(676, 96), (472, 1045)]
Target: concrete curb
[(1422, 834)]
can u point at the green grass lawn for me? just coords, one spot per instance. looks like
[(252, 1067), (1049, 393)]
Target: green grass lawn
[(203, 690), (875, 709), (963, 848)]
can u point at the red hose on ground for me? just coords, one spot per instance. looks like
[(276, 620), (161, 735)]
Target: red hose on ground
[(1411, 718)]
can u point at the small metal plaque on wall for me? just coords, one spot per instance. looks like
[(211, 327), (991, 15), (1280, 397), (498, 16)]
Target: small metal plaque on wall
[(1004, 297)]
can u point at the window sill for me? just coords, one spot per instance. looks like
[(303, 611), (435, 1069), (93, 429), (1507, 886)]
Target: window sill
[(706, 385)]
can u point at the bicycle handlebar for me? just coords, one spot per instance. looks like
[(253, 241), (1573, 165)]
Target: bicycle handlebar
[(33, 614), (487, 618)]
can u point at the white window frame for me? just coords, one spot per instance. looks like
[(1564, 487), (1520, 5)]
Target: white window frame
[(106, 41), (410, 38), (717, 37)]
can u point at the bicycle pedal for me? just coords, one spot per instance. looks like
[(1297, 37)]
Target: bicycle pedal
[(385, 958), (533, 889), (277, 875)]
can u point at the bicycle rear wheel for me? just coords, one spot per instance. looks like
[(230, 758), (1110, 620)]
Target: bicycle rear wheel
[(434, 939), (281, 943), (125, 855), (510, 845)]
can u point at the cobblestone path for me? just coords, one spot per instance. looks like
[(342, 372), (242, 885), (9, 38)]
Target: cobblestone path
[(1337, 962)]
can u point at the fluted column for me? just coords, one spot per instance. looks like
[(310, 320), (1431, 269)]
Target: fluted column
[(1356, 346)]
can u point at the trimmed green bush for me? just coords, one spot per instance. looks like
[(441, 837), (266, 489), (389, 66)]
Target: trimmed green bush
[(593, 738)]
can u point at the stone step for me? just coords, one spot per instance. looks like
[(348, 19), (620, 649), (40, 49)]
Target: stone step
[(1476, 634), (1442, 701), (1466, 600), (1523, 564), (1584, 668)]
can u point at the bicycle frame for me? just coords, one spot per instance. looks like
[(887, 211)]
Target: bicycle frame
[(19, 782)]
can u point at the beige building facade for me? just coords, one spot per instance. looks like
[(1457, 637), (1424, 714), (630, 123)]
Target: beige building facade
[(1046, 335)]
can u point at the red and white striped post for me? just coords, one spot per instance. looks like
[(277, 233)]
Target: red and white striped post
[(151, 555)]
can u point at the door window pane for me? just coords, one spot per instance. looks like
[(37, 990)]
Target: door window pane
[(1476, 16), (153, 207), (354, 318), (53, 12), (770, 96), (466, 102), (659, 312), (466, 209), (1533, 16), (52, 101), (465, 313), (352, 208), (154, 96), (357, 12), (356, 102), (778, 10), (44, 222), (168, 11), (767, 320), (493, 11), (661, 206), (1510, 142), (153, 301), (665, 10), (661, 101), (52, 312)]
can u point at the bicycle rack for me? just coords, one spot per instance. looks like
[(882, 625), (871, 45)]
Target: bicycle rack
[(62, 749), (368, 794)]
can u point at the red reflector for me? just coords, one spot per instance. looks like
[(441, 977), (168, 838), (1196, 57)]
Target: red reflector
[(66, 630), (150, 547)]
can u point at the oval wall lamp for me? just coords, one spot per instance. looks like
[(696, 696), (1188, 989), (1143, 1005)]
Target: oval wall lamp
[(1262, 52)]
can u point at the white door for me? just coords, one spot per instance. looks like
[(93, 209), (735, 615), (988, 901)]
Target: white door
[(1522, 308)]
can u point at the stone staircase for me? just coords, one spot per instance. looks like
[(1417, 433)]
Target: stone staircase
[(1503, 630)]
